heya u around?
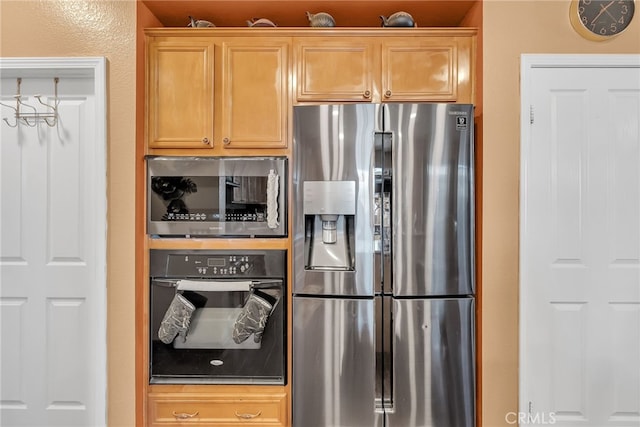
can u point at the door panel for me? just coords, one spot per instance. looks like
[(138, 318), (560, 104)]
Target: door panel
[(433, 363), (180, 94), (432, 198), (333, 362), (49, 296), (418, 71), (580, 247), (330, 70), (254, 98)]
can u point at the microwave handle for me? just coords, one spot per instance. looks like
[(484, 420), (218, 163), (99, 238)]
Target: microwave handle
[(272, 199)]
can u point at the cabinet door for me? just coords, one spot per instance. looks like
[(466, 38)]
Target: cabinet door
[(424, 69), (255, 93), (334, 69), (180, 94)]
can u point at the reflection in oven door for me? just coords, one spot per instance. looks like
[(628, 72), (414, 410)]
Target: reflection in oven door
[(217, 331)]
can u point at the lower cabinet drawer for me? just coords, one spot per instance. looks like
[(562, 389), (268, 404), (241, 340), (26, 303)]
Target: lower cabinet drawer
[(178, 409)]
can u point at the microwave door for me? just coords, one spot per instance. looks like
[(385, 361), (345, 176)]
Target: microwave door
[(215, 197)]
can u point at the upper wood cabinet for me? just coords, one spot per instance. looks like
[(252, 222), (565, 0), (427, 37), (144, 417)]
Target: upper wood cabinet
[(217, 93), (179, 88), (228, 89), (335, 69), (254, 93), (376, 69)]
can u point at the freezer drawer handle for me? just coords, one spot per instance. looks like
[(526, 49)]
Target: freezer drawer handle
[(184, 415), (248, 416)]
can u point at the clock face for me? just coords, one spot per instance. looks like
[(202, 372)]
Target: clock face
[(602, 18)]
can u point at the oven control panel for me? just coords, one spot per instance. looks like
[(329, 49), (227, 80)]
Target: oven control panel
[(191, 265), (246, 264)]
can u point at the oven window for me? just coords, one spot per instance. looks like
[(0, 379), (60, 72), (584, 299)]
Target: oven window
[(185, 198), (217, 337)]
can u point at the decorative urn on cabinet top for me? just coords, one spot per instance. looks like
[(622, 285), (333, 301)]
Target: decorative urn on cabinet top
[(321, 19), (398, 19), (260, 22)]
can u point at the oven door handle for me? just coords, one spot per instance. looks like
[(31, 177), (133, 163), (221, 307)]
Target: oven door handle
[(266, 284), (213, 285), (217, 286)]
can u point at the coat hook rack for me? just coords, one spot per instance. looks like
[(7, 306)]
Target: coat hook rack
[(28, 114)]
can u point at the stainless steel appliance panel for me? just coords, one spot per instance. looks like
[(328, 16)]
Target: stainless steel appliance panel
[(224, 196), (215, 347), (333, 362), (334, 143), (413, 170), (432, 198), (434, 363)]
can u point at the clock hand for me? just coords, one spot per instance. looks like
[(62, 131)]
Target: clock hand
[(604, 9)]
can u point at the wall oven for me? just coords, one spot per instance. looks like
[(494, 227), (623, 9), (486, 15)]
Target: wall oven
[(216, 196), (217, 317)]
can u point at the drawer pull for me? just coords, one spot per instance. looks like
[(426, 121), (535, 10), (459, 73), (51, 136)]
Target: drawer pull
[(248, 416), (184, 415)]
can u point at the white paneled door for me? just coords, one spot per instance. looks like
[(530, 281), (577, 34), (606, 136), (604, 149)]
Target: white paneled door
[(52, 247), (580, 241)]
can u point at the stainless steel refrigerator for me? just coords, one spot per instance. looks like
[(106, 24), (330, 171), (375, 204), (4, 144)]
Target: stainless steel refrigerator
[(383, 286)]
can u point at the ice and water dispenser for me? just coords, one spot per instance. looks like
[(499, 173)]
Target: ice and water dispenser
[(329, 209)]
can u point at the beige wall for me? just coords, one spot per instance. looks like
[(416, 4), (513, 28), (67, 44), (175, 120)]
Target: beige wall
[(107, 28), (512, 28), (97, 28)]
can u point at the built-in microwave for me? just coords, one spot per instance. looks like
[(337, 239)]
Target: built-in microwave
[(216, 196)]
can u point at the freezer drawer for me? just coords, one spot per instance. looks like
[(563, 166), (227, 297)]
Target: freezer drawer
[(433, 367), (333, 362)]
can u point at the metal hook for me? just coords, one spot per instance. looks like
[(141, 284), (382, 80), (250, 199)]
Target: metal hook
[(31, 119), (25, 116), (15, 115), (54, 110)]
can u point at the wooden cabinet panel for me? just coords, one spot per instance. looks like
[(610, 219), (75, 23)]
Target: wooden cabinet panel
[(334, 70), (390, 69), (418, 72), (427, 69), (175, 409), (255, 93), (180, 94)]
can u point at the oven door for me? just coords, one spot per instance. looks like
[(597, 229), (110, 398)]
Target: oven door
[(217, 332), (216, 196)]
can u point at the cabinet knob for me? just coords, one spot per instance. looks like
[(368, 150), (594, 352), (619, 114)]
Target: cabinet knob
[(367, 94), (387, 94), (248, 416), (206, 141), (226, 141), (184, 415)]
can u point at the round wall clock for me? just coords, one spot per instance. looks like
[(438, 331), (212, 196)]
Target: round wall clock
[(601, 19)]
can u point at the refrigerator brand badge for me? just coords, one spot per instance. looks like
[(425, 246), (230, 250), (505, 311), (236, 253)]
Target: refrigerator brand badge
[(461, 122)]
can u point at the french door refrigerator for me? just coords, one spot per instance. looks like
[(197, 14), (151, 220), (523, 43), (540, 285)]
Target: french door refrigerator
[(383, 287)]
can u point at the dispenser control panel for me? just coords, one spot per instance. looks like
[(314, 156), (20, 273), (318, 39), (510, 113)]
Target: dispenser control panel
[(329, 197)]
